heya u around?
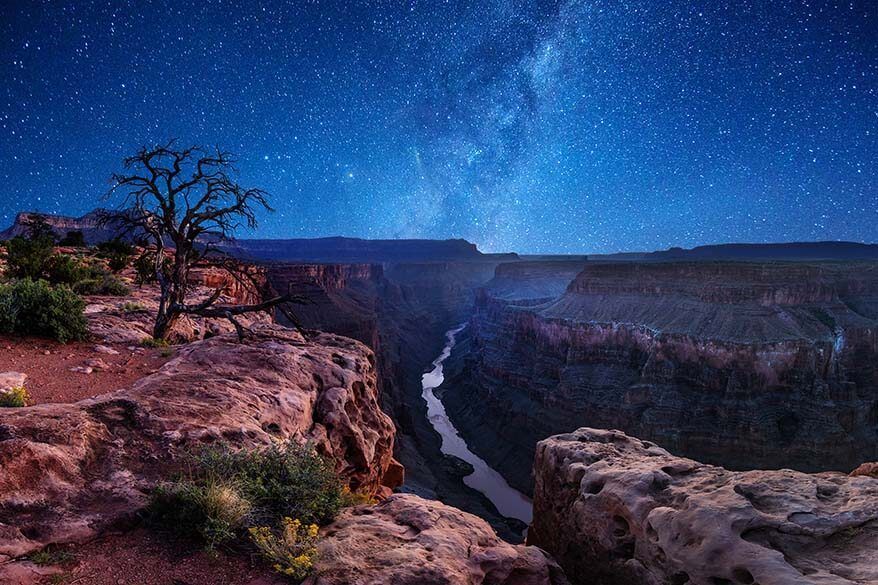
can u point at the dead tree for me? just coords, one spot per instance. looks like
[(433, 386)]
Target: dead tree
[(183, 204)]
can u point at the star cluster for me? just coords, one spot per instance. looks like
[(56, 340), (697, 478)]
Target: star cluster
[(546, 126)]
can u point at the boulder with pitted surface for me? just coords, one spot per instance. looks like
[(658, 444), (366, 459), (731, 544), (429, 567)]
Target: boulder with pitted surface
[(616, 510)]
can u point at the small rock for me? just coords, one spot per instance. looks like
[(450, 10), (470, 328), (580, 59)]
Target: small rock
[(106, 350), (47, 352), (97, 364), (81, 369)]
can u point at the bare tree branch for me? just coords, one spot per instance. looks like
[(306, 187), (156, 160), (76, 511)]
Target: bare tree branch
[(182, 203)]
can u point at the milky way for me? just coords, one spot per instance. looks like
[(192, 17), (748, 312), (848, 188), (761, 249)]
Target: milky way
[(527, 126)]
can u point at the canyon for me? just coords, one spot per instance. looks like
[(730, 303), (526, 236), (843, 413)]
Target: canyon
[(745, 365), (459, 381)]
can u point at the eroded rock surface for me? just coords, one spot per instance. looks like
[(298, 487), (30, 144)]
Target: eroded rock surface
[(71, 470), (406, 540), (613, 509)]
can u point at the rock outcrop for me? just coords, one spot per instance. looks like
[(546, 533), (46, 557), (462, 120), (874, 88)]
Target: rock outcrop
[(89, 224), (71, 470), (616, 510), (745, 365), (406, 540)]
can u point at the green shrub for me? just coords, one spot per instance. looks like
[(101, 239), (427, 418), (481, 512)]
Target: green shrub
[(28, 258), (211, 511), (14, 398), (66, 269), (224, 491), (36, 308), (283, 480), (144, 268), (292, 551), (155, 343), (52, 556), (117, 252), (130, 307), (103, 285)]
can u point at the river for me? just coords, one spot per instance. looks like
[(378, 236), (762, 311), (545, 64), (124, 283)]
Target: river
[(508, 501)]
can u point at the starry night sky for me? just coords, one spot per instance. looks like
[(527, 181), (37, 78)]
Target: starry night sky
[(534, 126)]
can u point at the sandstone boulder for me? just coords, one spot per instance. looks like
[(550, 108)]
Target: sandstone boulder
[(613, 509), (10, 380), (71, 470), (407, 540)]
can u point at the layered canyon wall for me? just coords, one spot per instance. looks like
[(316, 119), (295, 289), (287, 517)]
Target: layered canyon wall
[(763, 365)]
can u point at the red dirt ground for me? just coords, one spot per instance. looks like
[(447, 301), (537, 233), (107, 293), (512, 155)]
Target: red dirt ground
[(143, 557), (49, 378)]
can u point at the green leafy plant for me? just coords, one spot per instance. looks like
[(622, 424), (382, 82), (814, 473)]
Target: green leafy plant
[(292, 551), (52, 556), (34, 307), (153, 343), (107, 285), (282, 480), (210, 509), (28, 258), (117, 252), (14, 397), (223, 491), (144, 268), (66, 269)]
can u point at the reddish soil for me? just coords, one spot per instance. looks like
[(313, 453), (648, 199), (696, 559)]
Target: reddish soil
[(49, 378), (143, 557)]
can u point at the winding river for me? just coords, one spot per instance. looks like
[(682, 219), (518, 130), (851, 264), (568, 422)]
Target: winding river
[(508, 501)]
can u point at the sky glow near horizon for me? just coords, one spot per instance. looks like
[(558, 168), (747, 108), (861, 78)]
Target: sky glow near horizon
[(536, 127)]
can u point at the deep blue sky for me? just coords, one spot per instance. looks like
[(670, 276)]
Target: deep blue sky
[(529, 126)]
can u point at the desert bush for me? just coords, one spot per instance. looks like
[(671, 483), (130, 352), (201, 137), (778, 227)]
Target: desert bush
[(14, 398), (28, 257), (117, 253), (66, 269), (223, 491), (210, 510), (34, 307), (350, 498), (130, 307), (144, 268), (292, 551), (154, 343), (103, 285), (282, 480), (52, 556)]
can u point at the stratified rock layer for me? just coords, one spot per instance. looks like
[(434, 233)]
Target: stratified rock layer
[(615, 510), (745, 365), (406, 540), (71, 470)]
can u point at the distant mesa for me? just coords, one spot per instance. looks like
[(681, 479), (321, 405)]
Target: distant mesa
[(316, 250), (785, 251), (356, 250)]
